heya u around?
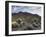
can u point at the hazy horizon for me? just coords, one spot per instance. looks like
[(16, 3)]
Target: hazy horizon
[(29, 9)]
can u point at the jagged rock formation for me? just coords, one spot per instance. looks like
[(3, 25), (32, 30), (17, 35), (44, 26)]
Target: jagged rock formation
[(25, 21)]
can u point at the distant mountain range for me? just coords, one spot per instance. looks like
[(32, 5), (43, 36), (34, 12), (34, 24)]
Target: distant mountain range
[(24, 13)]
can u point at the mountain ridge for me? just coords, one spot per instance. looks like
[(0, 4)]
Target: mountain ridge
[(24, 13)]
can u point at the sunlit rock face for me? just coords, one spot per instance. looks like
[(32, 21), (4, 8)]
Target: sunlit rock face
[(25, 21)]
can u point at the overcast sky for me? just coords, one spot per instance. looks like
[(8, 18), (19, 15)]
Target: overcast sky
[(30, 9)]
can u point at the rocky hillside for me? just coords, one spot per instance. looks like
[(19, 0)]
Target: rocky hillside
[(25, 21)]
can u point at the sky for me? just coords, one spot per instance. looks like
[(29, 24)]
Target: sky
[(29, 9)]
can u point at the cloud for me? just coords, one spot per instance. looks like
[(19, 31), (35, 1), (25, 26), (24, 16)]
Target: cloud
[(30, 9)]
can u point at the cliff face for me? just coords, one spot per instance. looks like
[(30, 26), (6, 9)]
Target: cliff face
[(25, 21)]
